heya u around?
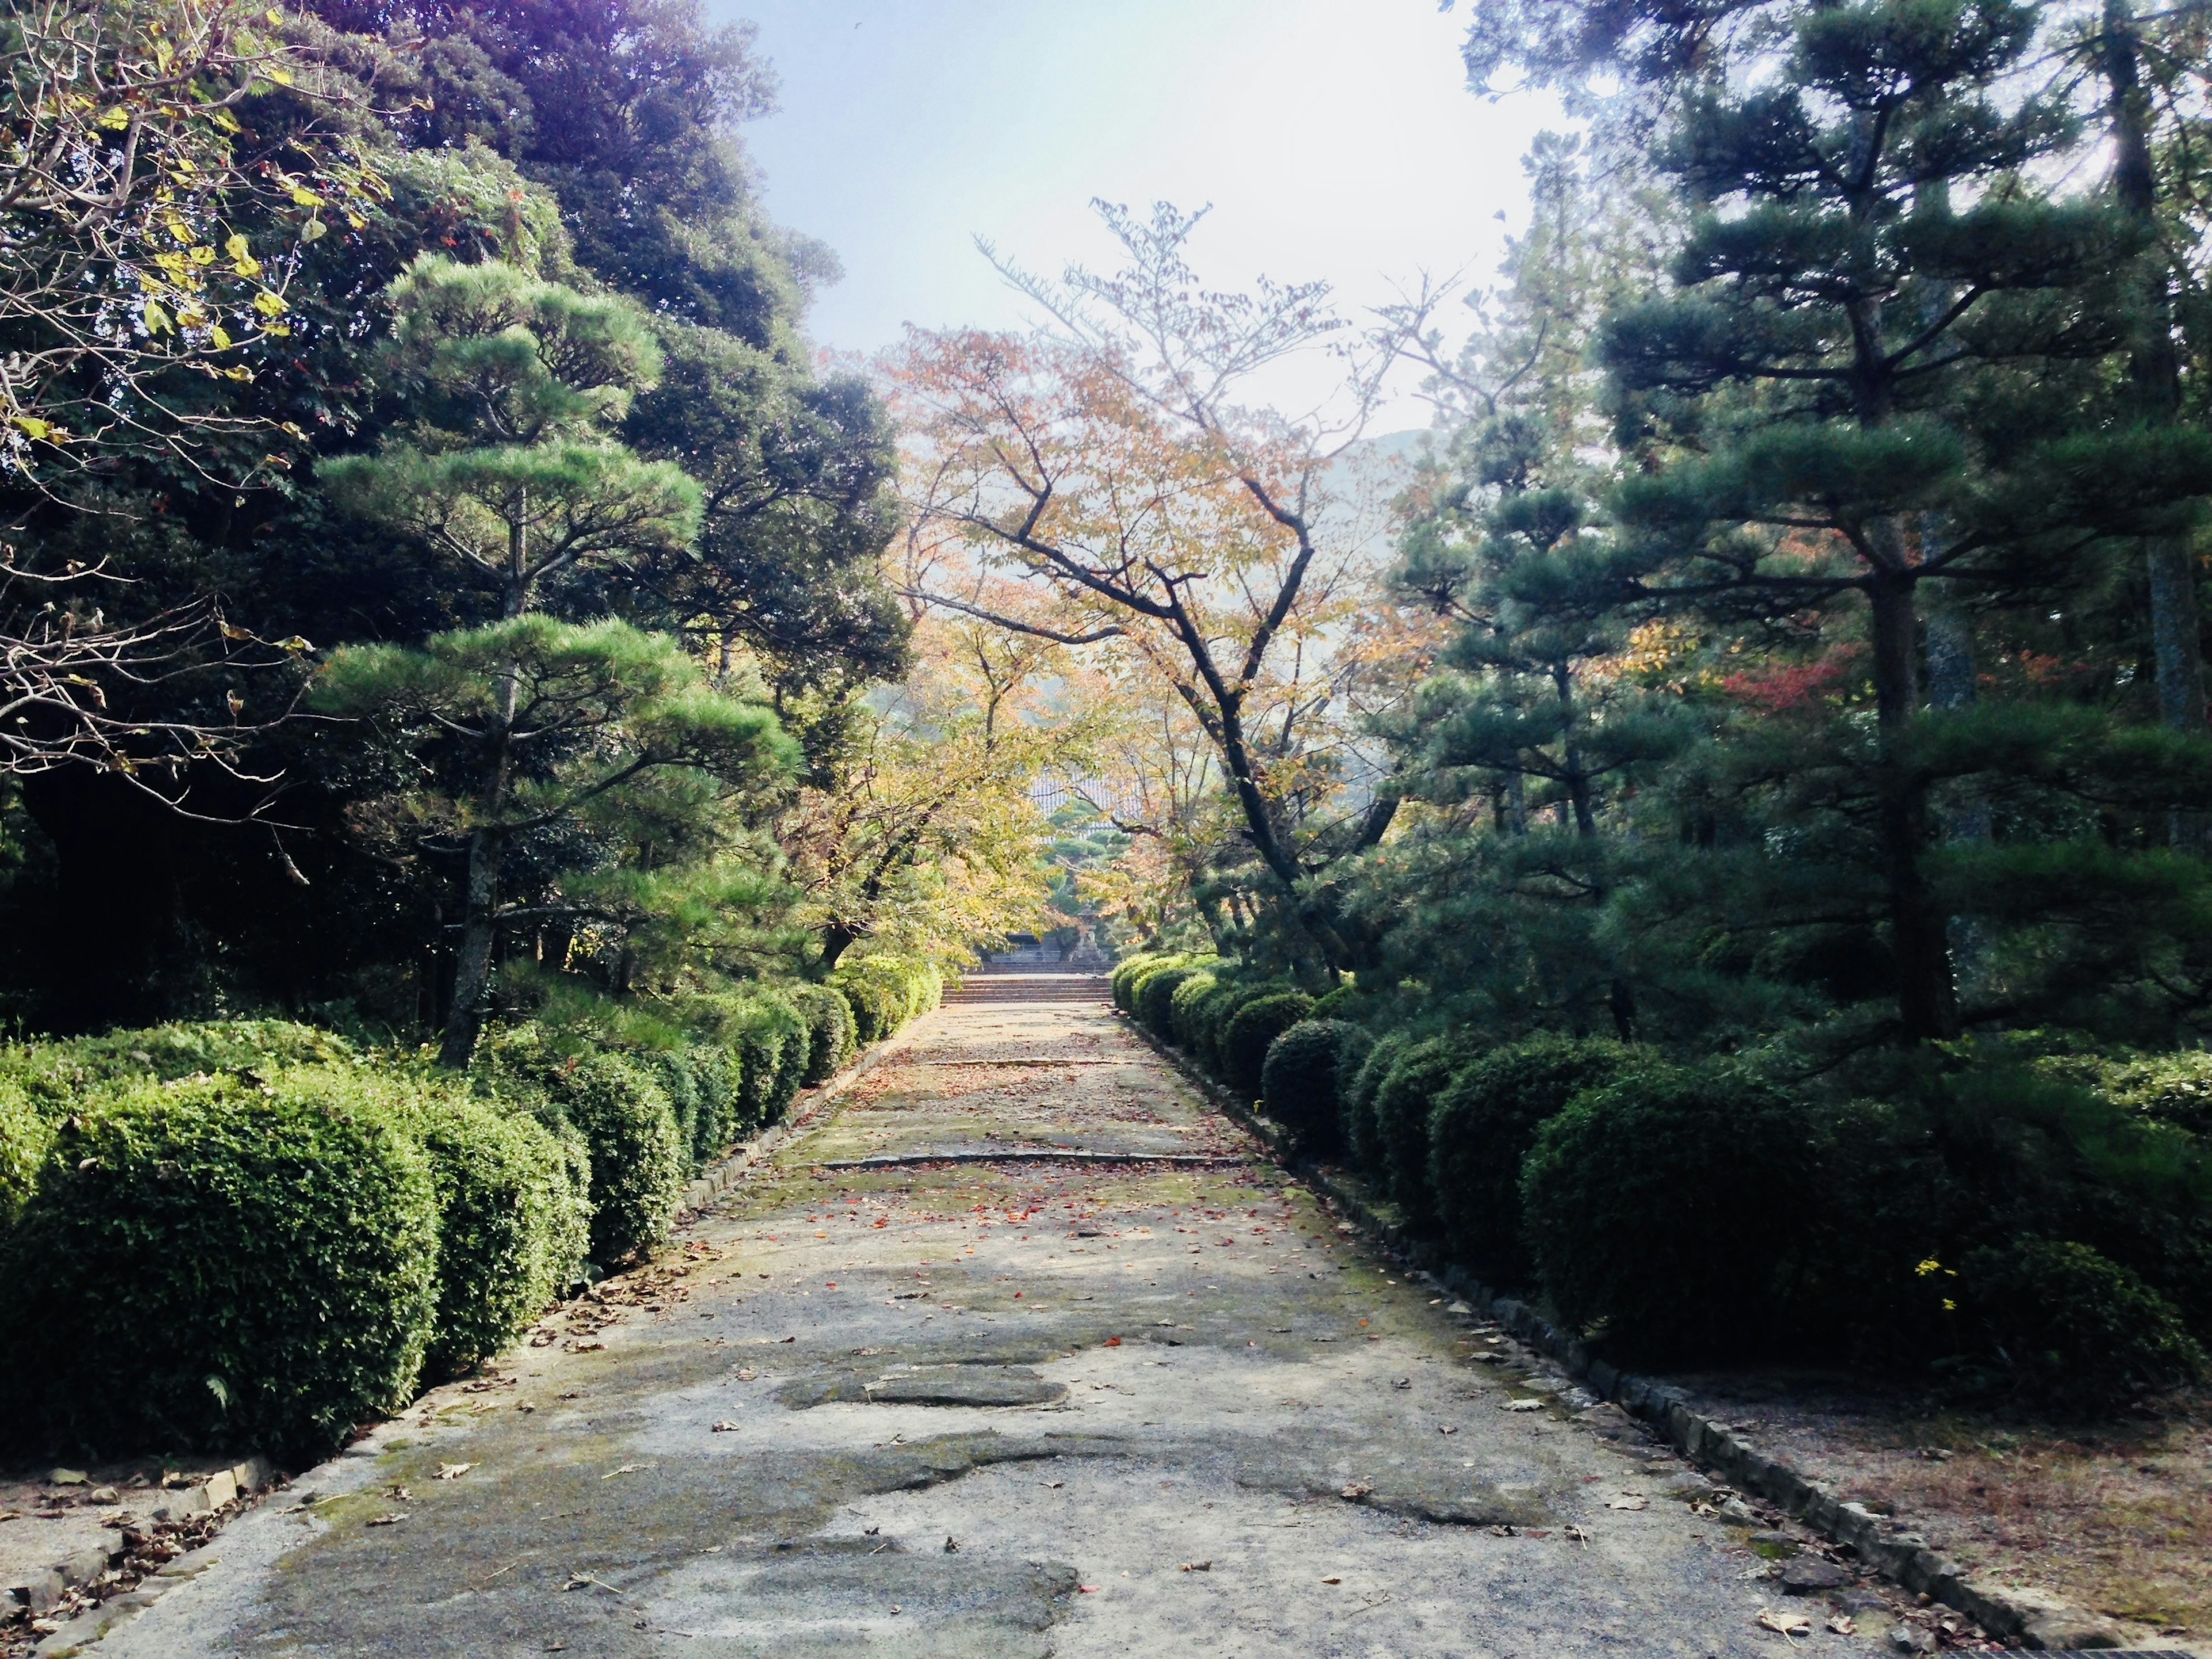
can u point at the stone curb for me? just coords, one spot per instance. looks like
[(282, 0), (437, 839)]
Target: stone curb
[(218, 1492), (2031, 1618)]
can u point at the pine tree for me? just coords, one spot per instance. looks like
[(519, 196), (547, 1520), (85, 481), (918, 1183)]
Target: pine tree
[(1877, 373), (511, 382)]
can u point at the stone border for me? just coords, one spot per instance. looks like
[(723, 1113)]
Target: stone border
[(711, 1184), (2034, 1619), (210, 1496)]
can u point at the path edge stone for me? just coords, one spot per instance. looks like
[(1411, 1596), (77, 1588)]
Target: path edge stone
[(2034, 1619)]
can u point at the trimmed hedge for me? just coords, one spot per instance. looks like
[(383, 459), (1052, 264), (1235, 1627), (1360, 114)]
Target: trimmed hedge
[(515, 1222), (1405, 1097), (1242, 1049), (1633, 1199), (1154, 998), (1300, 1078), (213, 1263), (1183, 1007), (886, 991), (1480, 1129), (834, 1039), (626, 1122), (1356, 1098), (773, 1041)]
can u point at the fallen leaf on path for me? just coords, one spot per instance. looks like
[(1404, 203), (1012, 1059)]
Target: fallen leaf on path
[(1086, 1589), (1198, 1567), (1842, 1625), (1523, 1406), (1447, 1428), (1332, 1581), (724, 1427), (1356, 1490), (1574, 1534), (1402, 1382), (627, 1469), (1055, 1486), (452, 1471), (385, 1520), (400, 1492), (1628, 1500), (788, 1339), (1111, 1342), (745, 1373), (1791, 1624)]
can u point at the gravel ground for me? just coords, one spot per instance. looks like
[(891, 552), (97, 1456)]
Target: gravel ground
[(1006, 1408)]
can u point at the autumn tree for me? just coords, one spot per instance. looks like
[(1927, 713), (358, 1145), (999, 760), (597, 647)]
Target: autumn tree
[(1110, 460)]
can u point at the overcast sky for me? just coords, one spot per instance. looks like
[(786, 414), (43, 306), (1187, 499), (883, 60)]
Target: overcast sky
[(1335, 139)]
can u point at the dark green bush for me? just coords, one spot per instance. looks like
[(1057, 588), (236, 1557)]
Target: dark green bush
[(1678, 1206), (1403, 1100), (1122, 981), (1299, 1080), (2173, 1088), (1154, 998), (1356, 1098), (834, 1039), (773, 1041), (672, 1069), (1242, 1048), (887, 990), (718, 1077), (217, 1264), (1207, 1017), (625, 1121), (1481, 1128), (1182, 1008), (2074, 1328), (515, 1222)]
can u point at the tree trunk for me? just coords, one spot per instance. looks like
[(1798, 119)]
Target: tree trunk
[(2154, 370), (836, 939), (472, 964), (1926, 1000)]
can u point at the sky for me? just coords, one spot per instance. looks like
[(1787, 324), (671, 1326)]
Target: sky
[(1335, 140)]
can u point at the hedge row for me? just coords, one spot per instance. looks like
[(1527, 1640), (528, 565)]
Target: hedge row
[(2045, 1224), (2011, 1225), (250, 1233)]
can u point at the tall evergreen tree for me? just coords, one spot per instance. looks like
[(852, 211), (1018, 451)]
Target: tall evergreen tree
[(1871, 379)]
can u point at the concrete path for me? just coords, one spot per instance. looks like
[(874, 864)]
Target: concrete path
[(1019, 1408)]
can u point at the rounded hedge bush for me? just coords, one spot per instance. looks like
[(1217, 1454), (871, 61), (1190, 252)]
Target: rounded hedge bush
[(834, 1039), (718, 1077), (773, 1039), (1406, 1095), (515, 1222), (1242, 1047), (1633, 1200), (1481, 1128), (2075, 1328), (1154, 998), (1183, 1005), (1300, 1077), (1122, 981), (213, 1263), (637, 1170), (1355, 1104)]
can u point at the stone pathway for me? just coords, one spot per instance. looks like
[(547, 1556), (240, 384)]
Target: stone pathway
[(1018, 1407)]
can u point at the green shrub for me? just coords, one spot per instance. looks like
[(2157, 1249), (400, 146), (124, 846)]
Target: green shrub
[(26, 1132), (1637, 1201), (215, 1263), (1154, 998), (1207, 1016), (1300, 1078), (887, 990), (773, 1039), (834, 1039), (514, 1218), (1122, 981), (672, 1069), (1408, 1094), (1242, 1048), (625, 1119), (1183, 1006), (1356, 1099), (718, 1076), (2072, 1327), (1481, 1128)]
